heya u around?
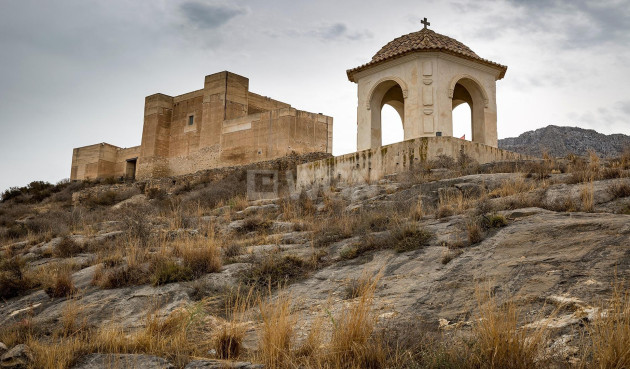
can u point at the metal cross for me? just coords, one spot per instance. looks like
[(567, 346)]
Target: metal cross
[(425, 22)]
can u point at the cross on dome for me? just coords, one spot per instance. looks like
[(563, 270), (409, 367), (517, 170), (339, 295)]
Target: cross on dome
[(425, 22)]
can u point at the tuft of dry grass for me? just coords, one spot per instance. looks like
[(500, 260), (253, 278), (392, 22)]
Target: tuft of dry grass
[(619, 189), (350, 344), (610, 331), (277, 330), (500, 342), (199, 254), (66, 248), (586, 196), (512, 187), (228, 338), (62, 285), (474, 231)]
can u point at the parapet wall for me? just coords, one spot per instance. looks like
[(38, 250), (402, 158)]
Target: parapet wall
[(374, 164)]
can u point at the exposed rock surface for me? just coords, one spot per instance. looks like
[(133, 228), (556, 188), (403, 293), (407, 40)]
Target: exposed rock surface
[(560, 141), (19, 357), (217, 364), (99, 361)]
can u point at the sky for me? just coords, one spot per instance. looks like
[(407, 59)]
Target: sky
[(76, 72)]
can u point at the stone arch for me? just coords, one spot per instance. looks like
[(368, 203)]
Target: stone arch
[(467, 89), (401, 83), (456, 79), (387, 91)]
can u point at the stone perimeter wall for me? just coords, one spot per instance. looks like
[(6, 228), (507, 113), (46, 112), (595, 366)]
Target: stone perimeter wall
[(374, 164), (224, 124)]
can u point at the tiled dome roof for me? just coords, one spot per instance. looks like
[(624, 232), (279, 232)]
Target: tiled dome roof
[(423, 41)]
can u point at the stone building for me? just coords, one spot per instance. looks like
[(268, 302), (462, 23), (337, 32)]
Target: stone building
[(424, 75), (223, 124)]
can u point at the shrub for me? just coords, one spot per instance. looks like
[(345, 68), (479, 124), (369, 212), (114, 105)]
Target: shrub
[(13, 281), (442, 161), (618, 189), (475, 231), (62, 286), (200, 256), (167, 271), (410, 238), (120, 276), (273, 269), (67, 247), (403, 238), (15, 231), (156, 193), (255, 224), (496, 221)]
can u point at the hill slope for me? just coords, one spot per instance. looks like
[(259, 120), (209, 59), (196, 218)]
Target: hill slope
[(560, 141)]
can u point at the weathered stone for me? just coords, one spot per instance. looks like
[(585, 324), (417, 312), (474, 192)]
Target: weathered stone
[(226, 139), (221, 364), (133, 200), (20, 356), (100, 361)]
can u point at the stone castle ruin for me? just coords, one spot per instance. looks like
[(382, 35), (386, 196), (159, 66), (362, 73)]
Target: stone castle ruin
[(422, 75), (224, 124)]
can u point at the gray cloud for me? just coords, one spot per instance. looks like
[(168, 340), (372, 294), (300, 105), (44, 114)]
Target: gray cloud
[(578, 23), (209, 16), (330, 32), (617, 114)]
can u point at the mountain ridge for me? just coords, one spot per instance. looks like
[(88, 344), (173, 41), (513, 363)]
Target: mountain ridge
[(560, 141)]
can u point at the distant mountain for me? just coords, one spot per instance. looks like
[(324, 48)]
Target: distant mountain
[(560, 141)]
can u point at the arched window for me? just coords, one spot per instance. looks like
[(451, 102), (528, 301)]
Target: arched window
[(468, 115), (462, 122), (392, 125), (387, 106)]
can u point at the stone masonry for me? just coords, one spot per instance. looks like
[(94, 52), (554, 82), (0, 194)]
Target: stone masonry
[(223, 124)]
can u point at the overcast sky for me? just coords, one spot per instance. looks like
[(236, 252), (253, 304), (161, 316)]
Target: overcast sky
[(75, 72)]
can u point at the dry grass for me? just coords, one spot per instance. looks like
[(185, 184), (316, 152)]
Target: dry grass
[(474, 230), (176, 337), (619, 189), (228, 338), (61, 285), (512, 187), (202, 255), (610, 332), (454, 202), (500, 341), (350, 344), (277, 330), (586, 196)]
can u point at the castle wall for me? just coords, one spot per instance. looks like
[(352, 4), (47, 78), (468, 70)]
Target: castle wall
[(230, 126), (374, 164), (101, 161)]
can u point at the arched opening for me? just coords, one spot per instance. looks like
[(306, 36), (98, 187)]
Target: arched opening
[(468, 115), (462, 113), (392, 124), (387, 106)]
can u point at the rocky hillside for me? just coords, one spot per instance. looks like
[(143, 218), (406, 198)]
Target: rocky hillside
[(428, 270), (561, 141)]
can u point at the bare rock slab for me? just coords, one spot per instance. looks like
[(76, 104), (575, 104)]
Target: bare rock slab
[(218, 364), (21, 356), (101, 361)]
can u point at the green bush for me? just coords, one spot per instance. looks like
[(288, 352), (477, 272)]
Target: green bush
[(168, 271)]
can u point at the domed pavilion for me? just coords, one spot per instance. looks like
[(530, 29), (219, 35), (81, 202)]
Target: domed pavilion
[(424, 75)]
